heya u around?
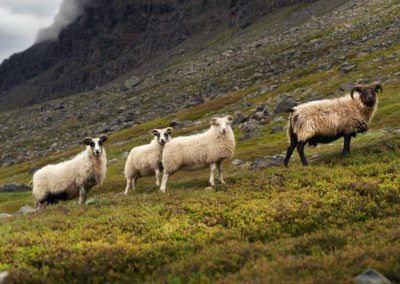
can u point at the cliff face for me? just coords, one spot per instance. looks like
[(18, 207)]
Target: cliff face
[(113, 38)]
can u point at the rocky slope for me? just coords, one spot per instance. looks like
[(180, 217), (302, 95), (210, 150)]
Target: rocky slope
[(277, 60), (115, 37)]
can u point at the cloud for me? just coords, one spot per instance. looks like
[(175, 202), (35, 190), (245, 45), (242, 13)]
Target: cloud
[(69, 11), (20, 21)]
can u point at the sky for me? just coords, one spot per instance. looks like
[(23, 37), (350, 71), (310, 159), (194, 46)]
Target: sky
[(20, 21)]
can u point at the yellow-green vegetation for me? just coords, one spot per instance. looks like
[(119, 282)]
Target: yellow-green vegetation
[(330, 221)]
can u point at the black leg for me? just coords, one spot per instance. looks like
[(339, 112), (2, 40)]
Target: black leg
[(346, 147), (300, 150), (293, 144)]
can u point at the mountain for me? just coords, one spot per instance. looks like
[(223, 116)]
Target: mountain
[(113, 38)]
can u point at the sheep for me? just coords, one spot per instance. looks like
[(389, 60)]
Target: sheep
[(199, 151), (145, 160), (325, 121), (71, 178)]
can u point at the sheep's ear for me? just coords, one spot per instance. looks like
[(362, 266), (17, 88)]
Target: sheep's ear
[(154, 132), (103, 138), (355, 89), (213, 121), (378, 87), (230, 118), (169, 130), (87, 140)]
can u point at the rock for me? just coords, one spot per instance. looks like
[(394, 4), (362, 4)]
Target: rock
[(33, 169), (176, 123), (284, 105), (124, 155), (276, 129), (251, 126), (132, 82), (267, 161), (119, 195), (259, 115), (91, 201), (5, 215), (3, 276), (14, 187), (250, 136), (347, 86), (26, 209), (237, 162), (240, 118), (347, 67), (371, 276)]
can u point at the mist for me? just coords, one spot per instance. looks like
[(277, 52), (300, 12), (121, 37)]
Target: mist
[(68, 12)]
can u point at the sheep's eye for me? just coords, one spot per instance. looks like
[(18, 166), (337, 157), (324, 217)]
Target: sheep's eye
[(91, 144), (166, 134)]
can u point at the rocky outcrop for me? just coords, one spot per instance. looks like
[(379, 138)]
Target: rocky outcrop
[(112, 38)]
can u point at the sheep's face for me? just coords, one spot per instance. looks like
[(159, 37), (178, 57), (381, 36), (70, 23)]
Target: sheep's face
[(96, 144), (367, 93), (162, 135), (223, 123)]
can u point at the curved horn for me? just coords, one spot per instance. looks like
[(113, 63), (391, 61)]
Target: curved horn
[(355, 88), (378, 87)]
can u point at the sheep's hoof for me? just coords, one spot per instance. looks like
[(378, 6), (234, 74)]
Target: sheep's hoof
[(209, 188)]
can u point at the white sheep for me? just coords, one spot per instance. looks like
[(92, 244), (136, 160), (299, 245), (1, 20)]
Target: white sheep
[(145, 160), (71, 178), (199, 151), (325, 121)]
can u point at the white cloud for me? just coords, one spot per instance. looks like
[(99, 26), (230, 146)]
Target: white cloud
[(20, 21)]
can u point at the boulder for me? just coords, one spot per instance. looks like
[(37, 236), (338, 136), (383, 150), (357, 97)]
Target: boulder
[(250, 136), (347, 67), (251, 126), (347, 86), (26, 209), (284, 105), (267, 161), (237, 162), (131, 82), (124, 155), (371, 276), (14, 187), (5, 215), (33, 169), (276, 129)]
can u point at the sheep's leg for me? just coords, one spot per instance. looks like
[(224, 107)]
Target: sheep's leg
[(43, 205), (220, 178), (213, 167), (128, 185), (87, 193), (82, 195), (300, 150), (157, 177), (346, 147), (292, 146), (134, 183), (164, 182)]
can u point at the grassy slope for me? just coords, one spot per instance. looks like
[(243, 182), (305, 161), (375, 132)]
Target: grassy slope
[(330, 221)]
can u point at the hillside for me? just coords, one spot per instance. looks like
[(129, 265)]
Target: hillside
[(112, 38), (325, 223)]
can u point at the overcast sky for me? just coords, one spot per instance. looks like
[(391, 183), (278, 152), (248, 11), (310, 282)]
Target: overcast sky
[(20, 21)]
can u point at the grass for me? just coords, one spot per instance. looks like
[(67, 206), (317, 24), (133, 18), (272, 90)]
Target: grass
[(324, 223)]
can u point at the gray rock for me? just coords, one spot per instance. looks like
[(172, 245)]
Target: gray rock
[(259, 115), (267, 161), (347, 67), (14, 187), (285, 105), (26, 209), (119, 195), (371, 276), (33, 169), (176, 123), (3, 276), (132, 82), (91, 201), (124, 155), (237, 162), (240, 118), (276, 129), (5, 215), (251, 126), (250, 136), (347, 86)]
